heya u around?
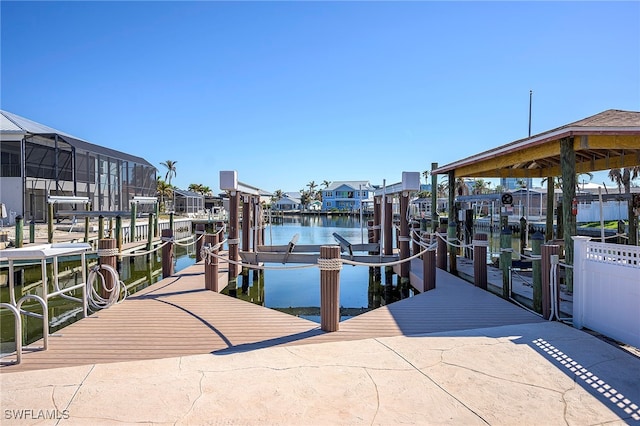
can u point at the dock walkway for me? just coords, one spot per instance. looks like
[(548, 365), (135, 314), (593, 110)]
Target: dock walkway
[(177, 317)]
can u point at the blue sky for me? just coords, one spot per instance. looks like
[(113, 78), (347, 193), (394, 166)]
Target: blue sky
[(292, 92)]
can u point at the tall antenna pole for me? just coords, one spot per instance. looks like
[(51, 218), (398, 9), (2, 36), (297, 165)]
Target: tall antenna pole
[(530, 97)]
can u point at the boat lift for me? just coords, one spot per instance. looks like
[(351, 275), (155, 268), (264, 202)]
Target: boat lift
[(43, 253)]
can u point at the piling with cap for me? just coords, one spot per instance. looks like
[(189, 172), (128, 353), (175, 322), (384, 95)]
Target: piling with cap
[(330, 265), (167, 253), (480, 244)]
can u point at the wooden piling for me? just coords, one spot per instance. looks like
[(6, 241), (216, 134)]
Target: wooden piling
[(428, 266), (150, 233), (388, 226), (377, 221), (403, 238), (132, 223), (106, 252), (246, 222), (453, 250), (199, 241), (505, 259), (19, 231), (100, 227), (536, 243), (211, 281), (329, 262), (86, 223), (50, 223), (118, 235), (546, 251), (442, 248), (480, 244), (167, 253), (234, 252)]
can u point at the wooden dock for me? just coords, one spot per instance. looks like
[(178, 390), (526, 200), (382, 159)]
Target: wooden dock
[(177, 317)]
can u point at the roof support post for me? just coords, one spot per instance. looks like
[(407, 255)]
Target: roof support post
[(548, 234), (568, 165), (451, 235)]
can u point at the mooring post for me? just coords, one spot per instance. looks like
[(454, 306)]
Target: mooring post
[(523, 234), (505, 259), (32, 231), (199, 241), (546, 251), (107, 251), (132, 224), (453, 250), (377, 219), (442, 248), (211, 263), (480, 244), (330, 265), (118, 235), (428, 265), (246, 222), (19, 231), (403, 238), (50, 223), (86, 223), (167, 253), (171, 214), (388, 226), (150, 233), (100, 227), (536, 243), (233, 241)]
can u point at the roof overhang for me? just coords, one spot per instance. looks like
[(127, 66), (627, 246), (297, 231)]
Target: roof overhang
[(596, 147)]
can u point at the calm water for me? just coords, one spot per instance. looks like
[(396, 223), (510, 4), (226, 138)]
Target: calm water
[(297, 291)]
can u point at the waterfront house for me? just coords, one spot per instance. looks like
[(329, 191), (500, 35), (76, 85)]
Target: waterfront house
[(38, 161), (289, 202), (347, 196)]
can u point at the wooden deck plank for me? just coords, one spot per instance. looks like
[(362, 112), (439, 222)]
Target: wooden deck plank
[(177, 317)]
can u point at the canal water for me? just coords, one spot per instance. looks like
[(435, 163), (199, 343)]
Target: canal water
[(297, 291), (291, 290)]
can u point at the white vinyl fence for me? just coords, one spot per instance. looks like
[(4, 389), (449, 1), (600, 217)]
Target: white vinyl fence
[(606, 292)]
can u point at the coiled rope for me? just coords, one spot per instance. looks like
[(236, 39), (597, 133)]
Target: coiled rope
[(116, 293)]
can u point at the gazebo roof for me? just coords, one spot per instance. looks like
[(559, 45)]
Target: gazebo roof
[(610, 139)]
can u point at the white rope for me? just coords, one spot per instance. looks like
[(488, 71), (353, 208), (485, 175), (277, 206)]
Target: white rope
[(403, 239), (334, 264), (234, 241), (143, 252), (115, 294), (108, 252), (480, 243)]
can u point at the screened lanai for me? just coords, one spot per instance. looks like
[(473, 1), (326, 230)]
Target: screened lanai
[(38, 161)]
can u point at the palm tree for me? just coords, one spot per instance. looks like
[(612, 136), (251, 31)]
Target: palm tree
[(163, 189), (277, 196), (623, 177), (426, 174), (442, 189), (326, 183), (171, 170), (461, 187), (479, 186), (312, 189)]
